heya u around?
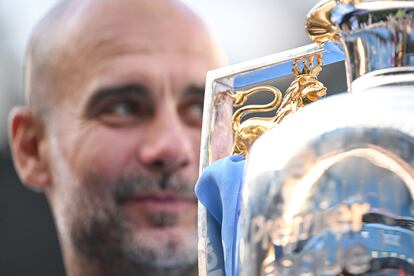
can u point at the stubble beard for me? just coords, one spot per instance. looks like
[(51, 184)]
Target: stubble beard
[(105, 242), (119, 248)]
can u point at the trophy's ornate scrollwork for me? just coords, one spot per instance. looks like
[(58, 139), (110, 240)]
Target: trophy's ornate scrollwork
[(319, 25), (304, 89)]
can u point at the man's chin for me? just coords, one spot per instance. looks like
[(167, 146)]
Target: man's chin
[(168, 246)]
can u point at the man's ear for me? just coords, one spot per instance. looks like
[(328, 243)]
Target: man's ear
[(29, 148)]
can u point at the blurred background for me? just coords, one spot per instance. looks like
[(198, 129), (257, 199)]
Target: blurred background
[(247, 29)]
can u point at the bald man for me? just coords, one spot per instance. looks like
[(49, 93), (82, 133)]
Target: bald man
[(111, 132)]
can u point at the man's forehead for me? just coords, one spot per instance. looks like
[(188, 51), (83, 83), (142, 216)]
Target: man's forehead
[(86, 32), (140, 24)]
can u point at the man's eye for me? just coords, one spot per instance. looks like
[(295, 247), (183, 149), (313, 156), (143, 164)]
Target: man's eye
[(122, 109), (122, 113), (120, 105), (192, 113), (196, 109)]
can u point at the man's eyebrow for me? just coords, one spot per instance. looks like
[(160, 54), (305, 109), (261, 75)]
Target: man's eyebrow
[(115, 91), (195, 90)]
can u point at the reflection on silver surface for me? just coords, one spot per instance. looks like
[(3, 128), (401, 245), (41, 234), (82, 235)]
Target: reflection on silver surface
[(217, 134), (376, 35), (340, 201), (330, 190)]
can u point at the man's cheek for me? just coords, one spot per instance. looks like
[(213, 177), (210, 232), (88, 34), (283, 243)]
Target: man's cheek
[(101, 169), (93, 194), (105, 150), (107, 161)]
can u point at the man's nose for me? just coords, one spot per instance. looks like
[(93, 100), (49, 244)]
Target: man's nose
[(167, 146)]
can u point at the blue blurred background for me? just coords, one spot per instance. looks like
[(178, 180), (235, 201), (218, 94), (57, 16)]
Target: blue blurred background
[(247, 29)]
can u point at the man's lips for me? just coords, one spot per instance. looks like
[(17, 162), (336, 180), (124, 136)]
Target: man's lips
[(160, 202)]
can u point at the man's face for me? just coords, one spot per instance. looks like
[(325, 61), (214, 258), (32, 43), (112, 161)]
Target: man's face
[(125, 142)]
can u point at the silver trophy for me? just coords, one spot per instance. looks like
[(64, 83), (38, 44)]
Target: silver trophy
[(282, 84), (329, 185)]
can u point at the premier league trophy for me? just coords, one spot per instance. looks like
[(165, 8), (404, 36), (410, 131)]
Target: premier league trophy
[(325, 185)]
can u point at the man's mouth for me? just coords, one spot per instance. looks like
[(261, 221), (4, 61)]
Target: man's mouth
[(160, 202)]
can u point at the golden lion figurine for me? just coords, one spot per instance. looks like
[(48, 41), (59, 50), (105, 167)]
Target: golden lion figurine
[(247, 132), (303, 90)]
